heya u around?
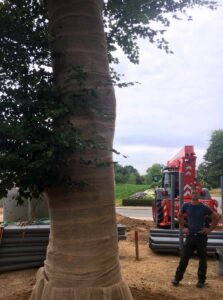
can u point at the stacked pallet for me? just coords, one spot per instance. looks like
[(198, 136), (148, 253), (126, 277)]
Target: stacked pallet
[(167, 241), (25, 247)]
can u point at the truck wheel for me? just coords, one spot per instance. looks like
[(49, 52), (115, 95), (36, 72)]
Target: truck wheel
[(157, 207), (157, 212)]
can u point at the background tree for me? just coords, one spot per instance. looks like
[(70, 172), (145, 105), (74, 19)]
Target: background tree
[(57, 129), (155, 169), (202, 174), (212, 168), (119, 177), (127, 174)]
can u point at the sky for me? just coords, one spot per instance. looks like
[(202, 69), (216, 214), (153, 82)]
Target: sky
[(179, 99)]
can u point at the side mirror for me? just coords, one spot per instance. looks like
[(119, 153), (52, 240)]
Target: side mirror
[(156, 178)]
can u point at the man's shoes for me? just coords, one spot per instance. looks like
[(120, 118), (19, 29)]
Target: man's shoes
[(200, 284), (175, 282)]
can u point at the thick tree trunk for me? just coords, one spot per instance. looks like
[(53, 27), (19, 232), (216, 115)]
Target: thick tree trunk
[(82, 257)]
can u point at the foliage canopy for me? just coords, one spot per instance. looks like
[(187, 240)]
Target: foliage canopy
[(211, 169), (151, 172), (127, 174)]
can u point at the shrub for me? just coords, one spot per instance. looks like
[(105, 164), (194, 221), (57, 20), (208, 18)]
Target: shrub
[(137, 202)]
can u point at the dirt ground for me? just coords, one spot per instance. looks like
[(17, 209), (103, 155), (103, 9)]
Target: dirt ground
[(149, 278)]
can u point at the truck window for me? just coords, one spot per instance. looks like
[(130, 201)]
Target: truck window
[(166, 180)]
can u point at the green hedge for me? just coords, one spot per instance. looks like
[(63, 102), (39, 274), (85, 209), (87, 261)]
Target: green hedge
[(137, 202)]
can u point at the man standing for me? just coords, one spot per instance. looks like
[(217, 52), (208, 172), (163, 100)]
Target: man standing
[(196, 236)]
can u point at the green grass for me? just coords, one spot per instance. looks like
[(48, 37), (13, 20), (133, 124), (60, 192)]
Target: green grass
[(123, 191)]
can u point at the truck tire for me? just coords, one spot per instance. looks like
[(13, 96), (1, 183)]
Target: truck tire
[(159, 214), (157, 207)]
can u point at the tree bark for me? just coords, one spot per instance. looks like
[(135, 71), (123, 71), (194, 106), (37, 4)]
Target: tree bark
[(82, 260)]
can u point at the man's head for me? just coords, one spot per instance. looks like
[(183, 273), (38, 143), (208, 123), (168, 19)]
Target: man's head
[(195, 194)]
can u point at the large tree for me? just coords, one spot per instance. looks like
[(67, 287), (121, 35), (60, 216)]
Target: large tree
[(82, 258), (212, 168), (57, 131)]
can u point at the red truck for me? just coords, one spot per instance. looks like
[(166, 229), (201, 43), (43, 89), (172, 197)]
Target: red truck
[(183, 162)]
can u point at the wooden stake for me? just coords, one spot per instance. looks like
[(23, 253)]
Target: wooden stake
[(137, 245)]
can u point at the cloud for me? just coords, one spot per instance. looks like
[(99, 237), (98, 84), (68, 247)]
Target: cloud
[(179, 100)]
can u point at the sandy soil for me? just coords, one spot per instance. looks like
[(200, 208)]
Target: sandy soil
[(148, 278)]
